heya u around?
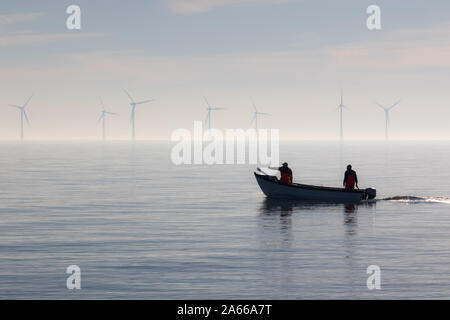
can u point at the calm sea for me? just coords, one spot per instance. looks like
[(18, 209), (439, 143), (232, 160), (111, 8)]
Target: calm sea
[(140, 227)]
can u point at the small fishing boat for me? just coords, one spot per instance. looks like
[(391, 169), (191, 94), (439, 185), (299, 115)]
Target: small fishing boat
[(273, 188)]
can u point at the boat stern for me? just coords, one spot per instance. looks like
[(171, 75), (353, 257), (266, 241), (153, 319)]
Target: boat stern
[(370, 193)]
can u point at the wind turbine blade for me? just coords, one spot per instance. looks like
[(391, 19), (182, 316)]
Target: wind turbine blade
[(382, 107), (111, 113), (254, 117), (266, 114), (129, 96), (26, 103), (14, 106), (216, 108), (394, 105), (103, 105), (101, 117), (26, 118), (207, 114), (145, 101), (207, 103)]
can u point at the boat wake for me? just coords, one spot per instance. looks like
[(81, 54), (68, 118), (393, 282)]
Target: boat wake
[(414, 199)]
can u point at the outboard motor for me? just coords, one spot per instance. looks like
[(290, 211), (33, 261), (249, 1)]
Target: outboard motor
[(371, 193)]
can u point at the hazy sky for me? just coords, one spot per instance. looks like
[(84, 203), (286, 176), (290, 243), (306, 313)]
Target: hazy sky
[(291, 56)]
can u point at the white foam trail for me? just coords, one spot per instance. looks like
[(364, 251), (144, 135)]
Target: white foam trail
[(413, 199)]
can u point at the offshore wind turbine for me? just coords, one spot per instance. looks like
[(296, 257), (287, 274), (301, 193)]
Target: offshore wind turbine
[(341, 108), (102, 118), (386, 113), (256, 113), (208, 114), (23, 114), (133, 107)]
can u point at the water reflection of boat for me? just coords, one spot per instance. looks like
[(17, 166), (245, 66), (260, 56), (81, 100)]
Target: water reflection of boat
[(272, 188), (350, 218), (288, 206), (349, 208), (276, 206)]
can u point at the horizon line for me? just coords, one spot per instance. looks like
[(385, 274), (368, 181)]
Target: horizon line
[(170, 141)]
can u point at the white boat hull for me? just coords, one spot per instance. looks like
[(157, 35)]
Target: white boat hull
[(272, 188)]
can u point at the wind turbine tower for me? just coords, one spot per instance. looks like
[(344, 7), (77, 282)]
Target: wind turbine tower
[(102, 118), (133, 107), (23, 114), (386, 113), (256, 113), (208, 114), (341, 108)]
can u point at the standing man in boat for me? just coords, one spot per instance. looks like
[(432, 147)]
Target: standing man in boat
[(350, 179), (286, 173)]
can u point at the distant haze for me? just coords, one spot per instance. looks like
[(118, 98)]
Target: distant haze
[(292, 57)]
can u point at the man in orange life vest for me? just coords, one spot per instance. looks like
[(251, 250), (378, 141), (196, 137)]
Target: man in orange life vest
[(350, 179), (286, 173)]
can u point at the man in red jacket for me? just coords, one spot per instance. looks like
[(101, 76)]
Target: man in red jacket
[(286, 173), (350, 179)]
